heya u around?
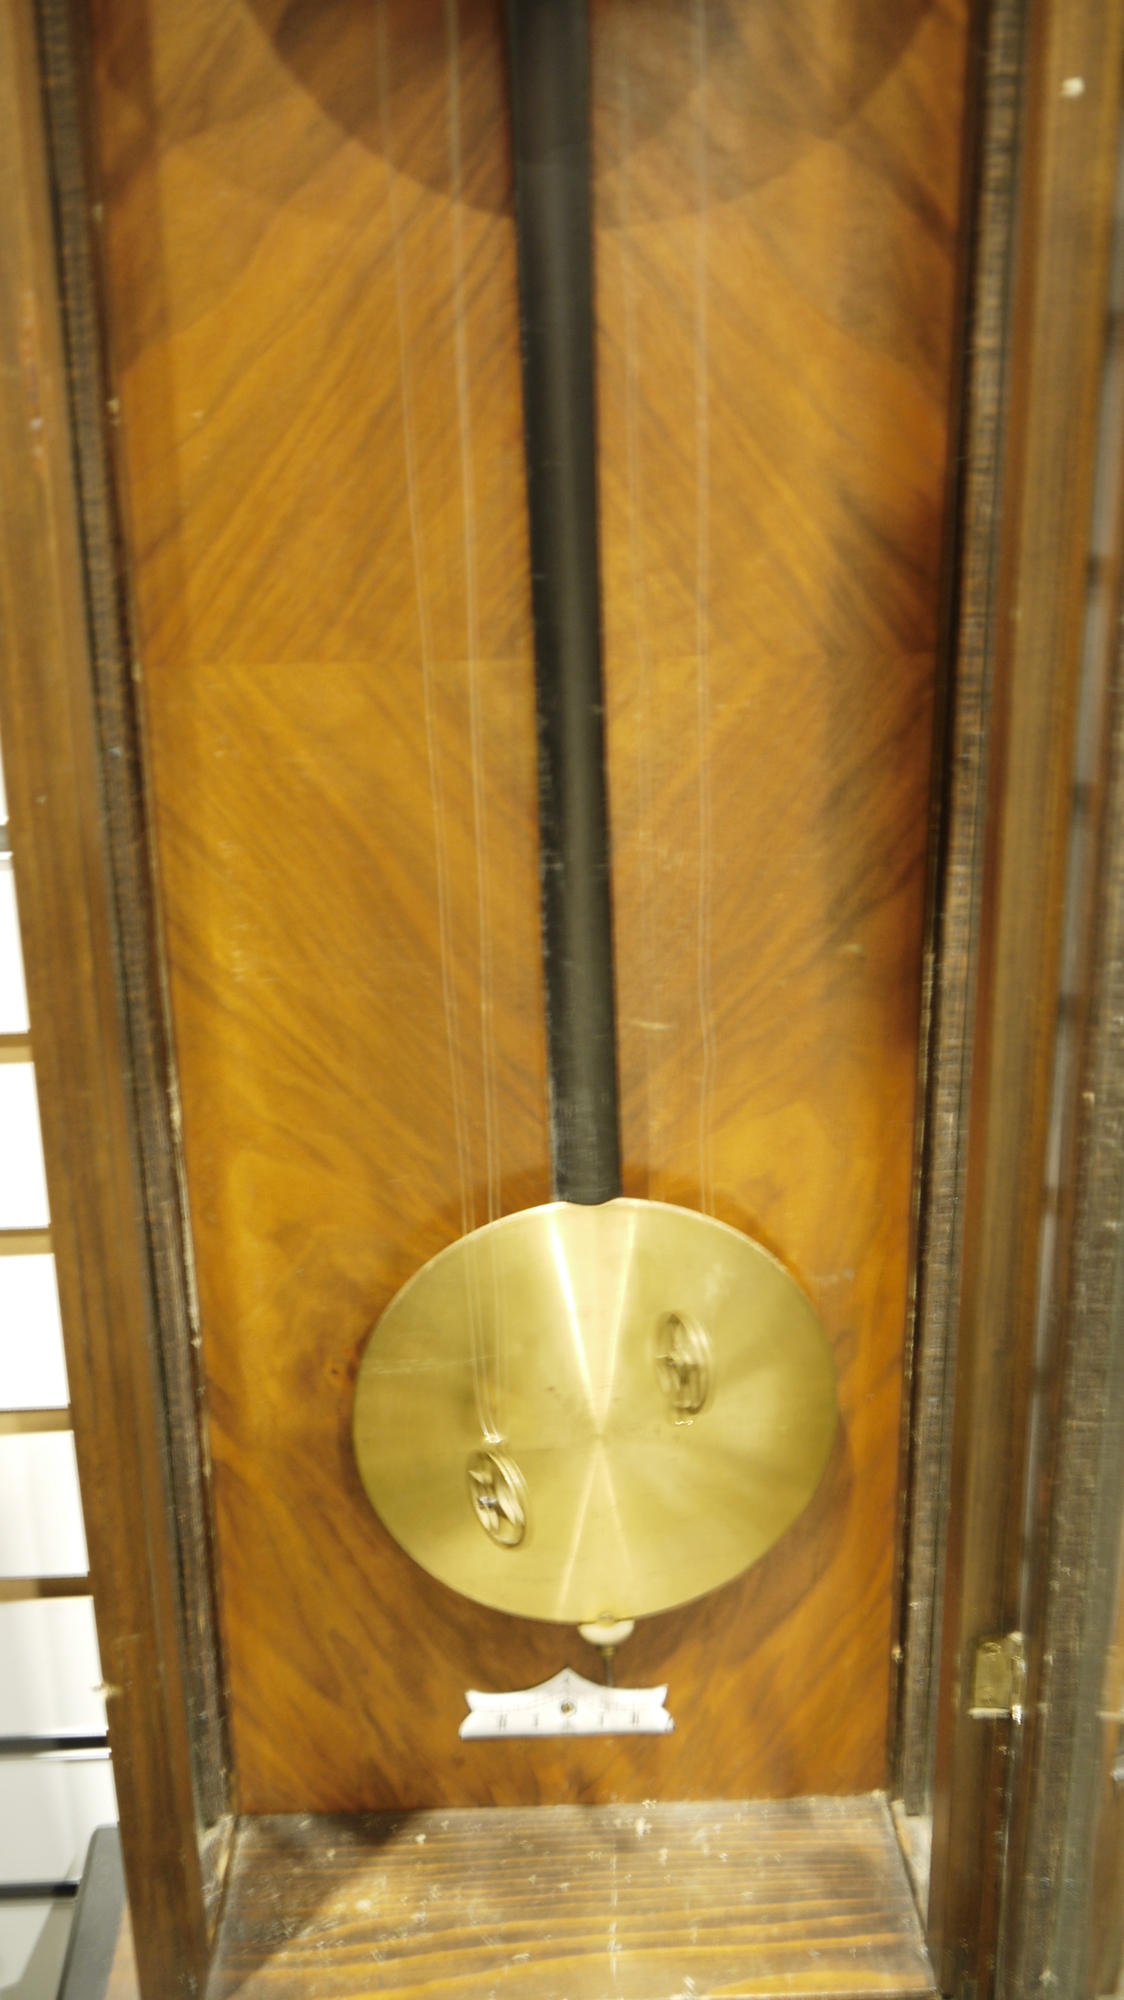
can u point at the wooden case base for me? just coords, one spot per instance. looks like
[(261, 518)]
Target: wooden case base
[(799, 1896)]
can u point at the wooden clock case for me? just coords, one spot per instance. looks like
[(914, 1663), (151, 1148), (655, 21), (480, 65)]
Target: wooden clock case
[(263, 588)]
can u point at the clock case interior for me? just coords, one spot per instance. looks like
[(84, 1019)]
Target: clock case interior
[(298, 700)]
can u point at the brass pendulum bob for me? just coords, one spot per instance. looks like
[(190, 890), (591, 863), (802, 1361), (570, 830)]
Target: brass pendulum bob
[(594, 1410), (669, 1408)]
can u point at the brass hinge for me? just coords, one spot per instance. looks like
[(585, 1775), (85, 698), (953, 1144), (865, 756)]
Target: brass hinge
[(999, 1677)]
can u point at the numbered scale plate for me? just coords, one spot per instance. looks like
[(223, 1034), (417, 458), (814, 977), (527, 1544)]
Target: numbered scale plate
[(568, 1705), (637, 1398)]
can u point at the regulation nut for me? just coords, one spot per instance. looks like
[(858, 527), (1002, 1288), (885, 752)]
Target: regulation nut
[(684, 1364), (498, 1493)]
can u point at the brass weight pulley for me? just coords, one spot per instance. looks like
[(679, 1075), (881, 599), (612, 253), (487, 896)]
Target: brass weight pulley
[(591, 1411)]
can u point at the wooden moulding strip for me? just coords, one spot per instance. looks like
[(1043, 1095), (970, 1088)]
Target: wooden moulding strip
[(75, 992), (1055, 338), (15, 1049), (66, 62), (956, 866), (1064, 1919)]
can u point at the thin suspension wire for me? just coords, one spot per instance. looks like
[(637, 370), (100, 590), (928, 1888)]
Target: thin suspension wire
[(702, 626), (489, 1356), (461, 1140), (649, 986), (472, 622)]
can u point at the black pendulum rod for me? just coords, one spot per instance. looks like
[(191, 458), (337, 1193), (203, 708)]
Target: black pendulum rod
[(548, 56)]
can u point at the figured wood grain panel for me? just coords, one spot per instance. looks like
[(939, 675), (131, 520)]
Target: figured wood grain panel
[(316, 346), (778, 228), (571, 1903), (318, 367)]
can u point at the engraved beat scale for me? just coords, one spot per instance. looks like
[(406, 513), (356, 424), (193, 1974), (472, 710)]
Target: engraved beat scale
[(595, 1410)]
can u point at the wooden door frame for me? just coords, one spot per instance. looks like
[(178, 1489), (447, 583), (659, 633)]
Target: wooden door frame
[(1042, 162), (91, 945), (1036, 634)]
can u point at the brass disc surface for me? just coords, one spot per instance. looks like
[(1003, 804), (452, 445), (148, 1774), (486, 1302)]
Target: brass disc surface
[(572, 1345)]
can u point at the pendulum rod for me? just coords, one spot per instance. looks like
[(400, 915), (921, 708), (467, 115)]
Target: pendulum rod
[(673, 1404), (548, 57)]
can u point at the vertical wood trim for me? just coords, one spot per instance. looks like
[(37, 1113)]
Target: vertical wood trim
[(1066, 173), (73, 974), (994, 99), (1048, 1914), (1076, 1489), (64, 62)]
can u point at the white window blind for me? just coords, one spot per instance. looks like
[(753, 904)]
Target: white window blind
[(53, 1793)]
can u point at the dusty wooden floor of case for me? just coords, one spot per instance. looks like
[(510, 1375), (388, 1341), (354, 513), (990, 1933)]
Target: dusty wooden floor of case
[(801, 1896)]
